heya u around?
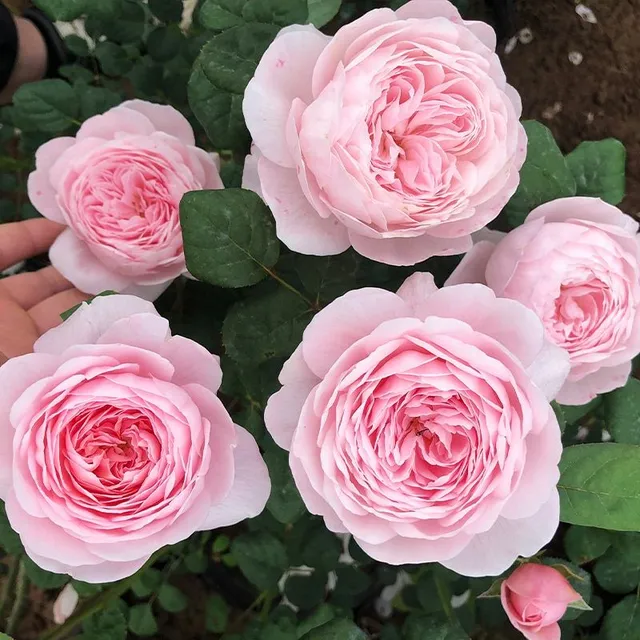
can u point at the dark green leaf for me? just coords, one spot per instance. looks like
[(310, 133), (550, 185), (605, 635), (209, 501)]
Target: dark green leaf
[(106, 624), (104, 10), (112, 58), (146, 77), (47, 105), (219, 77), (618, 570), (217, 614), (584, 544), (262, 558), (75, 73), (265, 327), (280, 12), (322, 11), (337, 629), (306, 592), (562, 419), (96, 100), (622, 621), (544, 176), (9, 539), (86, 589), (600, 486), (422, 627), (598, 168), (142, 622), (351, 586), (43, 579), (574, 413), (229, 236), (622, 412), (231, 174), (164, 43), (166, 10), (284, 503), (171, 599), (127, 25), (321, 549), (62, 10), (77, 45), (196, 562), (219, 15), (321, 615)]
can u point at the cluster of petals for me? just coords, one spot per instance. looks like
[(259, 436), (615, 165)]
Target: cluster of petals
[(419, 421), (117, 445), (398, 136)]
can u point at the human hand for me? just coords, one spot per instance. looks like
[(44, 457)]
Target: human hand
[(30, 303)]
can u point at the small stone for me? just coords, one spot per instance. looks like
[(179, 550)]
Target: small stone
[(575, 57), (525, 36), (586, 14)]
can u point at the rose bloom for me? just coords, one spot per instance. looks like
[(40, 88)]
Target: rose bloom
[(117, 186), (398, 136), (418, 422), (117, 445), (535, 597), (576, 263)]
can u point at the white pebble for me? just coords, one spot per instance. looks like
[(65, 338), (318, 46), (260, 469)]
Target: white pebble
[(525, 36), (586, 14), (575, 57)]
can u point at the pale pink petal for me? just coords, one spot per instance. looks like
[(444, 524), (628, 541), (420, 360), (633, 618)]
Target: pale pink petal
[(71, 257), (90, 321), (540, 474), (550, 369), (347, 319), (483, 32), (577, 392), (428, 9), (298, 225), (192, 362), (117, 120), (583, 208), (415, 290), (164, 118), (283, 410), (144, 330), (550, 632), (210, 165), (251, 486), (283, 74), (493, 552), (295, 370), (473, 266), (41, 192), (104, 572), (250, 177), (65, 604), (148, 292), (408, 251)]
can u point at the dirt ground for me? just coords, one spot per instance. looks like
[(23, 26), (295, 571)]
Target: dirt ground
[(598, 98)]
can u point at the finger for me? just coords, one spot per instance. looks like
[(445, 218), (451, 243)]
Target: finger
[(3, 358), (22, 240), (28, 289), (17, 330), (46, 314)]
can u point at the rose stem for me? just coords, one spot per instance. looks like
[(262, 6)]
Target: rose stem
[(18, 604)]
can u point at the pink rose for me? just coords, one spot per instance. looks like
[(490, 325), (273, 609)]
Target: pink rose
[(117, 186), (399, 136), (418, 422), (576, 263), (535, 597), (117, 445)]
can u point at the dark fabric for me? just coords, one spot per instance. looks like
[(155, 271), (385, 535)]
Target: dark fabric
[(8, 45), (56, 52)]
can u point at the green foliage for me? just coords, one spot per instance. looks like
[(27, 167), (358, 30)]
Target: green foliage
[(164, 43), (262, 558), (622, 412), (422, 627), (599, 169), (584, 544), (618, 570), (217, 613), (49, 105), (112, 58), (622, 621), (229, 236), (41, 578), (306, 591), (339, 629), (544, 176), (322, 11), (600, 486), (142, 622), (63, 10), (9, 539), (171, 599), (166, 10), (107, 624)]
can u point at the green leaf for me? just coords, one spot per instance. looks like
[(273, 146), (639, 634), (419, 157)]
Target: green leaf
[(562, 419), (104, 10), (218, 80), (142, 622), (75, 73), (196, 562), (351, 586), (262, 558), (48, 105), (574, 413), (166, 10), (321, 550), (220, 544), (322, 11), (9, 539), (77, 45), (112, 58), (622, 412), (62, 10), (43, 579), (231, 174), (126, 25), (618, 570), (584, 544), (425, 627), (285, 503), (600, 486), (96, 100), (321, 615), (337, 629), (599, 169), (106, 624), (622, 621), (86, 589), (280, 12), (306, 592), (146, 77), (264, 327), (219, 15), (544, 176), (164, 43), (171, 599), (229, 236), (217, 614)]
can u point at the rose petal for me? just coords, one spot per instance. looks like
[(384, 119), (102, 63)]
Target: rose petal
[(164, 118), (578, 392)]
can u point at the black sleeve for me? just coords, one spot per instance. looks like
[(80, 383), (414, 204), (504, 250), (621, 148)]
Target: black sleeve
[(8, 45)]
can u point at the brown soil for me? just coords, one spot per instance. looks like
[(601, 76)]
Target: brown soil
[(600, 97)]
